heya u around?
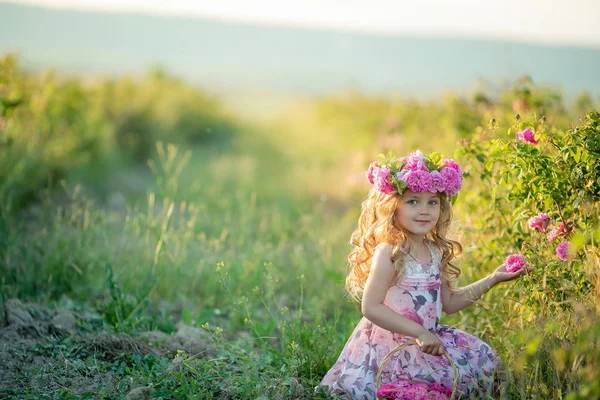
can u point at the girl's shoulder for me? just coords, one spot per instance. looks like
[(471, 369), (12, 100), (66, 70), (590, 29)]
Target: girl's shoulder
[(385, 247), (433, 246), (384, 250)]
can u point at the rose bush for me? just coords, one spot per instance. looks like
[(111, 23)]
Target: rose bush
[(532, 189)]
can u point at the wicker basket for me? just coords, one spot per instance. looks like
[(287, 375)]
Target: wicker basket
[(410, 343)]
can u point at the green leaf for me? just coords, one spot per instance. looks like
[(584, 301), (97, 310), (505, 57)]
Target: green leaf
[(489, 164)]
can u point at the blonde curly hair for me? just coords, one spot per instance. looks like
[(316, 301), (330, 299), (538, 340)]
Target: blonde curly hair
[(378, 224)]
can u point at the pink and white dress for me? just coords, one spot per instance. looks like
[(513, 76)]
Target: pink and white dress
[(417, 297)]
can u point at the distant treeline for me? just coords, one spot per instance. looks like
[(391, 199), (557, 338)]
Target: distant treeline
[(50, 125)]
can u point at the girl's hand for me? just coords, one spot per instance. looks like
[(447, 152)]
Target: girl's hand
[(431, 344), (500, 274)]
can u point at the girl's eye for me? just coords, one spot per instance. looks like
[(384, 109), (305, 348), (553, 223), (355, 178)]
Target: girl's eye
[(433, 202), (412, 202)]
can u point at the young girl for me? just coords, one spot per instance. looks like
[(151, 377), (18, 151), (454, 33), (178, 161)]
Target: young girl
[(402, 268)]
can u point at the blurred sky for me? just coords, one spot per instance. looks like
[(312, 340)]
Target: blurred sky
[(565, 22)]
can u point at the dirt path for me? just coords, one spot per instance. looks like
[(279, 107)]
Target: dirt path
[(69, 351)]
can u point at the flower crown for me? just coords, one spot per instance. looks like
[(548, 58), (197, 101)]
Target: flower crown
[(417, 172)]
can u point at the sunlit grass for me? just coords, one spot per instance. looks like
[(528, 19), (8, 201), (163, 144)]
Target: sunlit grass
[(248, 239)]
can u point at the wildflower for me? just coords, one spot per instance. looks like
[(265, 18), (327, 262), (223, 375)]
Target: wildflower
[(561, 230), (562, 251), (540, 222), (527, 136), (514, 262)]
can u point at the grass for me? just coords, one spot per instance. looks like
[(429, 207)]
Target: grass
[(248, 241)]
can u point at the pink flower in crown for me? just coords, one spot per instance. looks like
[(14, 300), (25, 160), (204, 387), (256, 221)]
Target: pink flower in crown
[(401, 174), (514, 262), (540, 222), (527, 136), (418, 181), (369, 174), (416, 162), (452, 179), (562, 251), (382, 181), (438, 182), (448, 162)]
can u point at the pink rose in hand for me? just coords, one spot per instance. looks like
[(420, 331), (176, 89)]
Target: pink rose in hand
[(514, 262)]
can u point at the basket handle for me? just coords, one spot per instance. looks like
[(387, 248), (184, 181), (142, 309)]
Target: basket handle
[(410, 343)]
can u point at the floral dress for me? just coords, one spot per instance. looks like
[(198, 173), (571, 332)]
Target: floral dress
[(417, 297)]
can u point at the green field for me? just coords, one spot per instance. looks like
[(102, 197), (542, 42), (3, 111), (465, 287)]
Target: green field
[(153, 235)]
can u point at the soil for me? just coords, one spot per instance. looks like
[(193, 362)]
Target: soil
[(41, 350)]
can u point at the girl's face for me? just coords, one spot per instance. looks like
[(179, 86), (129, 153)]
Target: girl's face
[(418, 213)]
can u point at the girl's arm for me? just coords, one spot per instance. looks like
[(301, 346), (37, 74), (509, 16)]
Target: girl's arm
[(467, 295), (376, 287)]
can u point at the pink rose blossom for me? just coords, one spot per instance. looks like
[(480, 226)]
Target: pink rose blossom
[(369, 173), (539, 222), (553, 233), (514, 262), (562, 251), (401, 174), (382, 181), (416, 162), (417, 155), (559, 231), (448, 162), (418, 181), (403, 390), (527, 136), (452, 179), (438, 183)]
